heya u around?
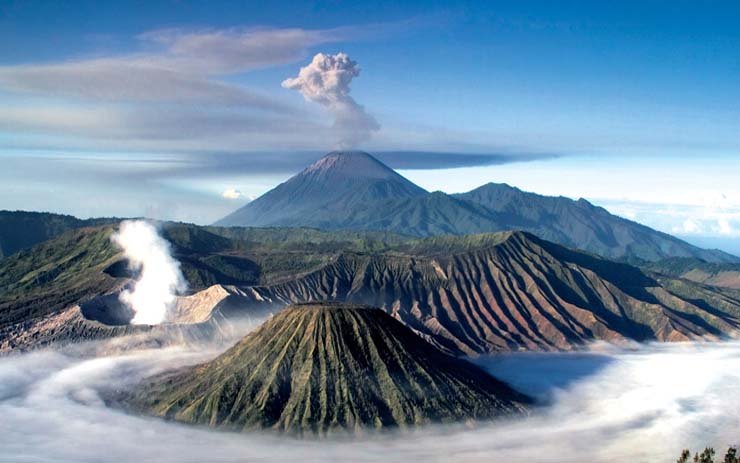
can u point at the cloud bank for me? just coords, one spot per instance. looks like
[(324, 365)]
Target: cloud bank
[(326, 81), (160, 279), (644, 404)]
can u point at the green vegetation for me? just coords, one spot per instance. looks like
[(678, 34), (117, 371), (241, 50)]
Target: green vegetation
[(261, 256), (21, 230), (716, 274), (324, 367), (55, 274), (707, 456)]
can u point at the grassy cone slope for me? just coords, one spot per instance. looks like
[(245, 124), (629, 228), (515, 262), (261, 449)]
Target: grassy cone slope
[(318, 368)]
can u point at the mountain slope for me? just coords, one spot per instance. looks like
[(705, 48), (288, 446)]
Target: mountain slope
[(55, 274), (21, 230), (428, 215), (725, 275), (335, 184), (64, 290), (468, 295), (579, 224), (326, 367), (354, 191), (513, 291)]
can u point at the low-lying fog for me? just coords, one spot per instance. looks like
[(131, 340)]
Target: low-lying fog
[(609, 405)]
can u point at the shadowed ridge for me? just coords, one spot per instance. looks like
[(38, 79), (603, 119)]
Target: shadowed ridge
[(319, 368)]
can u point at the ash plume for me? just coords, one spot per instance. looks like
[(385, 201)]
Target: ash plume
[(326, 81), (160, 278)]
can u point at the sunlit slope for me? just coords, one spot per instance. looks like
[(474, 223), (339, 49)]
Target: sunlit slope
[(509, 291), (334, 185), (319, 368)]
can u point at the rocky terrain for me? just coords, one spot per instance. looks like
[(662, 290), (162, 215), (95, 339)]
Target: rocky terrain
[(322, 368), (466, 295), (514, 291)]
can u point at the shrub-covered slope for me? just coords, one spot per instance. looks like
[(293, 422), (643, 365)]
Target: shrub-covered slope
[(318, 368)]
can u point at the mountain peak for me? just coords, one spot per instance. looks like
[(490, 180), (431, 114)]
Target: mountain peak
[(322, 193), (350, 164)]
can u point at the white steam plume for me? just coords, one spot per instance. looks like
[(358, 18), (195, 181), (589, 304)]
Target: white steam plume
[(326, 80), (159, 279)]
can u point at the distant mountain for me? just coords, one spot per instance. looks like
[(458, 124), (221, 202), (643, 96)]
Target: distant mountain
[(724, 275), (335, 184), (21, 230), (352, 190), (580, 224), (466, 295), (323, 368)]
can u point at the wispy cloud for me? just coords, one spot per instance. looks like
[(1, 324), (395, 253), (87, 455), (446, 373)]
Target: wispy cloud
[(604, 406), (173, 90), (179, 66)]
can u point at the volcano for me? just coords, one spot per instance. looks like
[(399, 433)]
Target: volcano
[(339, 182), (351, 190), (319, 368)]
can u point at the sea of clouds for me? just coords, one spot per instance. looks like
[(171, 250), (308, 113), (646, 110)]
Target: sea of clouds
[(605, 405)]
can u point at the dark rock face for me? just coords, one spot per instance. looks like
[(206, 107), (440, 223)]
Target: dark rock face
[(321, 368)]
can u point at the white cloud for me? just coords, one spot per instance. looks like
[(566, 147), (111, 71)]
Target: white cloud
[(326, 81), (232, 193), (633, 405), (724, 227), (184, 68), (689, 226), (170, 94)]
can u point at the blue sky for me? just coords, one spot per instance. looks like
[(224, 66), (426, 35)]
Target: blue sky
[(101, 103)]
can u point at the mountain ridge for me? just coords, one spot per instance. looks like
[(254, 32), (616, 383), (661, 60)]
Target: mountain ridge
[(395, 204), (467, 295)]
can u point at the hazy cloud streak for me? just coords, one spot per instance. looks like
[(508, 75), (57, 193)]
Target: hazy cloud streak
[(169, 94)]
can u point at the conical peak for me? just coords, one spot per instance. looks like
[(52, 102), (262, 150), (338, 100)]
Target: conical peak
[(350, 163)]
